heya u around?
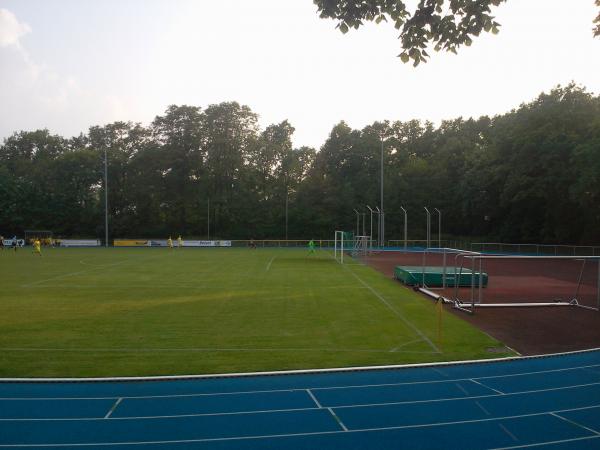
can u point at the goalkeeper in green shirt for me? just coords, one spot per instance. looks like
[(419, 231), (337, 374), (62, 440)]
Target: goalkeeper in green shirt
[(311, 247)]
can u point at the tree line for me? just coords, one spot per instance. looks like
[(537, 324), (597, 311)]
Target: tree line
[(530, 175)]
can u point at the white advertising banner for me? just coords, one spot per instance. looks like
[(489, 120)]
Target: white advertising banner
[(79, 243), (9, 242), (163, 243)]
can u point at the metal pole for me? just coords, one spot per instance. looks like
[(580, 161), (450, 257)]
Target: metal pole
[(363, 216), (428, 238), (378, 225), (405, 227), (439, 227), (357, 222), (208, 220), (105, 199), (382, 238), (371, 232), (286, 214), (598, 287)]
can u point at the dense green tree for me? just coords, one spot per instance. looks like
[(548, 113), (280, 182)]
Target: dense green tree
[(528, 175)]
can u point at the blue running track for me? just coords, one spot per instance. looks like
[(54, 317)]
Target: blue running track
[(550, 402)]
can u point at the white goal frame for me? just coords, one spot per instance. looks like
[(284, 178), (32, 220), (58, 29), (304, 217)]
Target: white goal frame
[(339, 246)]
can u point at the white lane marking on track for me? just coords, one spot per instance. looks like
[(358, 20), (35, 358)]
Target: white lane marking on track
[(482, 408), (461, 387), (576, 424), (337, 419), (485, 386), (439, 371), (539, 444), (364, 386), (507, 431), (364, 405), (112, 410), (270, 262), (314, 398), (396, 312), (317, 433)]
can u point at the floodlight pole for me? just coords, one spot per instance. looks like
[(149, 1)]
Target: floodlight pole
[(105, 198), (439, 227), (378, 225), (405, 227), (428, 226), (363, 228), (371, 232), (357, 222), (286, 214), (382, 226)]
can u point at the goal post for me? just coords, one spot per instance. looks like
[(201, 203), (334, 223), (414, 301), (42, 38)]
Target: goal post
[(342, 243)]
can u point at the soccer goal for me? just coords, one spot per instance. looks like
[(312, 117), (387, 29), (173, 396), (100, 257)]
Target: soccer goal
[(343, 242), (528, 281), (361, 246), (44, 235)]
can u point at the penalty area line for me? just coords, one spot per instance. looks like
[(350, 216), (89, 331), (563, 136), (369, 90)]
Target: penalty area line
[(396, 312)]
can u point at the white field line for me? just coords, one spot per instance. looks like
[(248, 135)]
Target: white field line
[(355, 386), (201, 349), (270, 262), (316, 433), (395, 349), (365, 405), (167, 286), (70, 274), (396, 312)]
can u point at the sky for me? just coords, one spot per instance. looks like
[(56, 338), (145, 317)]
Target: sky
[(66, 65)]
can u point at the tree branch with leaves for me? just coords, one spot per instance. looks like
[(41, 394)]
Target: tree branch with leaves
[(442, 24)]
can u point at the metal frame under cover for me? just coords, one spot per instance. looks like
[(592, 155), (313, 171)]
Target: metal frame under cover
[(472, 304)]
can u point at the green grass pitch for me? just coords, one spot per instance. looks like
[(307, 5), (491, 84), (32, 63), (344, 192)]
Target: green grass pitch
[(152, 311)]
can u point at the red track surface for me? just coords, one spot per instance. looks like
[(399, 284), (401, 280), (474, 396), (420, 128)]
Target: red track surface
[(527, 330)]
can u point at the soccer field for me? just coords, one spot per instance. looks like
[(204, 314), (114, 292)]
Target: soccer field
[(151, 311)]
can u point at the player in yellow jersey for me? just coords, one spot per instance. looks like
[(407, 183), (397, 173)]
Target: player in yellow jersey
[(170, 243), (179, 242), (37, 247)]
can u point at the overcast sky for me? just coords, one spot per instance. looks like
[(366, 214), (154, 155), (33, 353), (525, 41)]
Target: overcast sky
[(69, 64)]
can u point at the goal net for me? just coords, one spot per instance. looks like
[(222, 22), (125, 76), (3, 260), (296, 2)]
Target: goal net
[(526, 281)]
